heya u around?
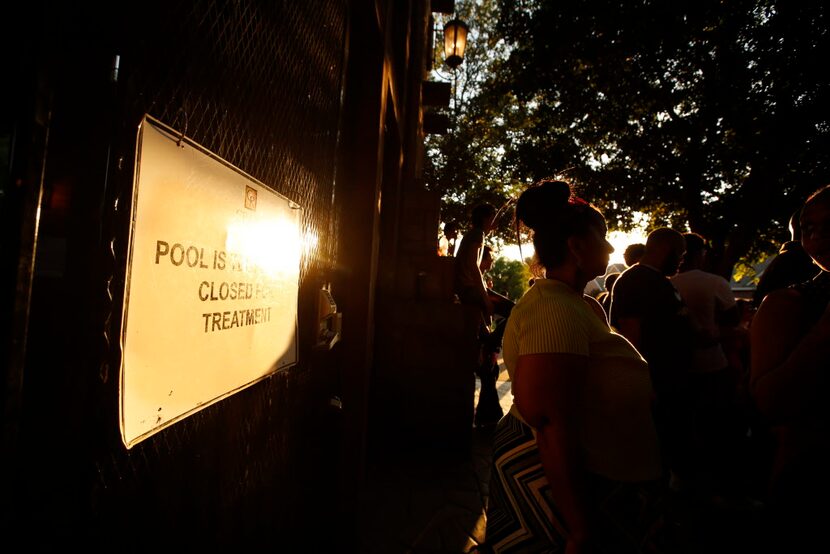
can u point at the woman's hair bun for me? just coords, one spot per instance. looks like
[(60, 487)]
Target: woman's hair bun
[(536, 203)]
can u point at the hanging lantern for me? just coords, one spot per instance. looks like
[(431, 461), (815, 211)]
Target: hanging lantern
[(455, 41)]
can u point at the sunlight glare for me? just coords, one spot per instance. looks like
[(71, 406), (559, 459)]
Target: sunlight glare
[(621, 240), (271, 246), (618, 239)]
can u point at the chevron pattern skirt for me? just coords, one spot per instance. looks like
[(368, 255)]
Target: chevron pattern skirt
[(522, 516)]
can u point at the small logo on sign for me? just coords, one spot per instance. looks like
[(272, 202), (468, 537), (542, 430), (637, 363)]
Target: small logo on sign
[(250, 198)]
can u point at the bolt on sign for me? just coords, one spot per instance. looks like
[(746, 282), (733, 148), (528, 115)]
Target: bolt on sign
[(210, 299)]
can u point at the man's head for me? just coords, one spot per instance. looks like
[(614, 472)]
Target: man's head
[(483, 216), (451, 230), (696, 248), (633, 253), (664, 250)]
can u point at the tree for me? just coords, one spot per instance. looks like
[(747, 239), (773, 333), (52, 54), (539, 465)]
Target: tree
[(464, 165), (510, 277), (708, 115)]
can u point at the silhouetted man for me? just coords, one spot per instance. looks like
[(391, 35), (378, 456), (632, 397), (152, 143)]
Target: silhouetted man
[(650, 313)]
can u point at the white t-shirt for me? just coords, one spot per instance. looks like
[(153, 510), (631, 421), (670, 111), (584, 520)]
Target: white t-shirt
[(706, 295)]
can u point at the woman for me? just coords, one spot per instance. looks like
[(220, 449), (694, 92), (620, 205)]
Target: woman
[(580, 426), (790, 366)]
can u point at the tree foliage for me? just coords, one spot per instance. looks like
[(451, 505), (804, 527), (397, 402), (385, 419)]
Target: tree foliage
[(709, 116), (510, 277)]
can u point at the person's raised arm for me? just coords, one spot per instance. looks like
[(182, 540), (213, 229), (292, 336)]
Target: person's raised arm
[(547, 389), (486, 301), (470, 257)]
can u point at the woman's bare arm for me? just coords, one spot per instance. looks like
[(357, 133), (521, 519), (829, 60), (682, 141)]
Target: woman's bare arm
[(547, 389)]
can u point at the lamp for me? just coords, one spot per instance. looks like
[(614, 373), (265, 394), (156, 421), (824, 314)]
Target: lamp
[(455, 41)]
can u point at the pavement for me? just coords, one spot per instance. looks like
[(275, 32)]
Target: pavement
[(434, 505)]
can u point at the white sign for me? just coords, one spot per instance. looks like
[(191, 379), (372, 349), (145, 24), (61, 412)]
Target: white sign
[(210, 301)]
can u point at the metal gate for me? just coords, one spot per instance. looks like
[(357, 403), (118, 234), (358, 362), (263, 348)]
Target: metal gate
[(259, 84)]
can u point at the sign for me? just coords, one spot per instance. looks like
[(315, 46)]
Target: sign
[(210, 300)]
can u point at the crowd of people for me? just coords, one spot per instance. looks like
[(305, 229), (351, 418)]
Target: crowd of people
[(666, 390)]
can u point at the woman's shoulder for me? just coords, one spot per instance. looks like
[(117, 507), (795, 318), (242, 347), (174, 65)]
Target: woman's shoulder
[(781, 305), (789, 296)]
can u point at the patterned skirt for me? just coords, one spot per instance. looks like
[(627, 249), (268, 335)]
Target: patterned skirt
[(522, 515)]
